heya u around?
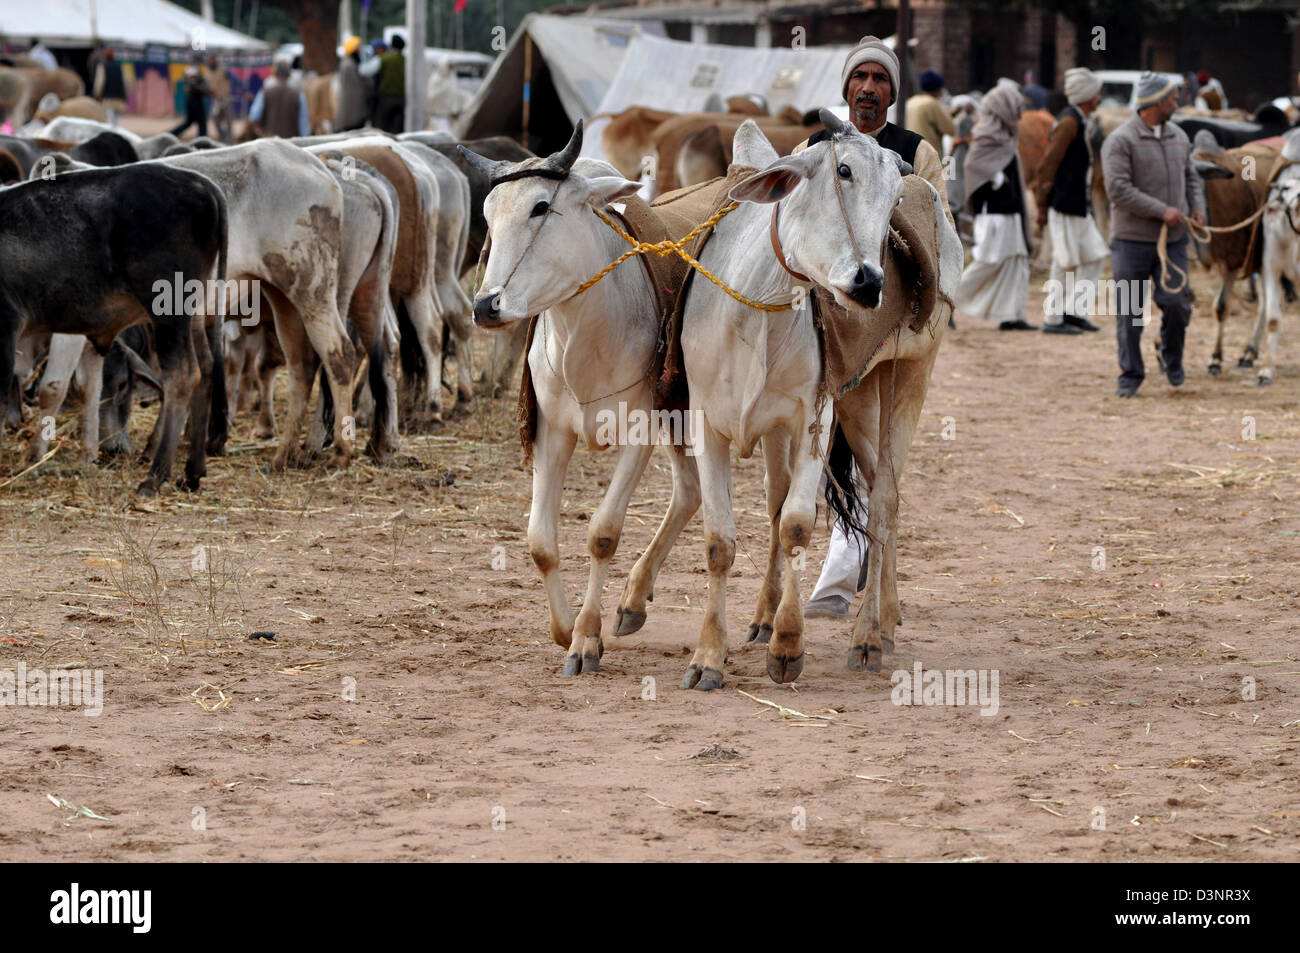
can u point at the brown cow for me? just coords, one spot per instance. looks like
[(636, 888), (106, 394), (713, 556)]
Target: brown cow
[(696, 147), (1236, 185)]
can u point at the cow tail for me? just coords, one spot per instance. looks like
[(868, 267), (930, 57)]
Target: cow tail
[(841, 493), (219, 416)]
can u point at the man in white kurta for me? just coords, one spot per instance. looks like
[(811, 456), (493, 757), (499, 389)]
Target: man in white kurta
[(1061, 187)]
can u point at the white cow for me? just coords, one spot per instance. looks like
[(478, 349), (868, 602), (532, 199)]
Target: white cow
[(285, 214), (1281, 257), (755, 374), (590, 357)]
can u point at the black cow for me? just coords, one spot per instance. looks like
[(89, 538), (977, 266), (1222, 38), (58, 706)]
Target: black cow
[(97, 251), (105, 149), (1268, 121)]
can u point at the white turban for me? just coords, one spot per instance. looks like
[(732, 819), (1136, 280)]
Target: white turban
[(1081, 85)]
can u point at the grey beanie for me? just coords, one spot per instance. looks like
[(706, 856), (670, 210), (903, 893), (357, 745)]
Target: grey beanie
[(871, 49), (1152, 88)]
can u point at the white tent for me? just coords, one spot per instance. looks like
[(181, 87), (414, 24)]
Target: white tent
[(680, 77), (67, 23), (573, 61)]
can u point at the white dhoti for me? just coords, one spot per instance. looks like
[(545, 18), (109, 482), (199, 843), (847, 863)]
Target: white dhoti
[(995, 285), (844, 556), (1078, 255)]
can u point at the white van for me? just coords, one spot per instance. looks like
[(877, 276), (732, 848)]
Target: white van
[(1119, 86)]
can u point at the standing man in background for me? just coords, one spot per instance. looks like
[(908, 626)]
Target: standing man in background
[(1061, 190), (392, 88), (351, 112), (219, 90), (280, 108), (1151, 182), (926, 114), (109, 85)]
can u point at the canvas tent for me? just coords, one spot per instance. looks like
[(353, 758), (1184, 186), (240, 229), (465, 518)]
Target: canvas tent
[(573, 62), (67, 23), (680, 77)]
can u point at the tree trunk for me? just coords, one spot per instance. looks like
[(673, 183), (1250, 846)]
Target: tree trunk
[(318, 25)]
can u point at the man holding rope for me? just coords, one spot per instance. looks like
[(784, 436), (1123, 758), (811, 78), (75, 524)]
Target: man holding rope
[(1153, 189)]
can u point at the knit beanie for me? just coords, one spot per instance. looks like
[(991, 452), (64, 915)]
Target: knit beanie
[(931, 82), (870, 49), (1152, 87)]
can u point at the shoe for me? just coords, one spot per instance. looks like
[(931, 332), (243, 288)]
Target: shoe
[(1126, 391), (1060, 329), (827, 607), (1081, 323), (1021, 325), (1176, 375)]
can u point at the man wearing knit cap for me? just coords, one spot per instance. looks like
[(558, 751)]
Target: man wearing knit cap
[(869, 84), (926, 114), (1061, 190), (1152, 184)]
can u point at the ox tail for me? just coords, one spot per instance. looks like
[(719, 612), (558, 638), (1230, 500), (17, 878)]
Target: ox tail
[(219, 415), (413, 363), (841, 493), (378, 388)]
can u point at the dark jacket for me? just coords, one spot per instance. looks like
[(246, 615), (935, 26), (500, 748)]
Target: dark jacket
[(1062, 181), (902, 141)]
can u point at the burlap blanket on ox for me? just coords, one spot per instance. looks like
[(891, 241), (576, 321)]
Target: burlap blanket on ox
[(671, 216), (911, 292)]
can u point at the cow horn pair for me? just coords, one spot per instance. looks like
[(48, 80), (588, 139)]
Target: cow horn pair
[(554, 166)]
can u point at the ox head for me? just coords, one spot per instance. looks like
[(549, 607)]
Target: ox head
[(1284, 197), (818, 234), (544, 241)]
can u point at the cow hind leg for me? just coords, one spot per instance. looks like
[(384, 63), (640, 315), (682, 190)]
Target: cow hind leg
[(202, 414), (1221, 301), (180, 377), (776, 455), (60, 364)]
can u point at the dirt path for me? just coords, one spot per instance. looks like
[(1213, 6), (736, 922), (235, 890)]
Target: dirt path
[(1120, 697)]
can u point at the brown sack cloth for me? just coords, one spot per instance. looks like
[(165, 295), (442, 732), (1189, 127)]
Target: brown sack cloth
[(910, 295)]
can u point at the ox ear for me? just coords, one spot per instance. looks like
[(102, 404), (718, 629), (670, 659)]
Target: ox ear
[(609, 188), (141, 369), (775, 182), (904, 167)]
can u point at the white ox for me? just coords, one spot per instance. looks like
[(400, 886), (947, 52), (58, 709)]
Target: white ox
[(1281, 258), (285, 212), (589, 358), (755, 375)]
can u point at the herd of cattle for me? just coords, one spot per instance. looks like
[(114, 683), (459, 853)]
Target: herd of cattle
[(130, 262)]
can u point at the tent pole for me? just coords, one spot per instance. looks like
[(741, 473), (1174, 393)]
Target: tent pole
[(904, 64), (528, 86)]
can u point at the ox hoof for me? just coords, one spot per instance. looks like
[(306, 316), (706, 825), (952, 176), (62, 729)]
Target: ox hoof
[(261, 434), (189, 483), (702, 679), (1246, 360), (762, 634), (1214, 369), (1263, 380), (865, 658), (629, 621), (573, 665), (784, 670), (146, 489)]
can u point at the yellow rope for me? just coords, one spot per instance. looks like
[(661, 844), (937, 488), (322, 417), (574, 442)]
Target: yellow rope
[(678, 247), (1202, 234)]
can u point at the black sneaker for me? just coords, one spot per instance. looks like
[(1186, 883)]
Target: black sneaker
[(1082, 324), (1176, 375), (1020, 325), (1126, 390), (1060, 329)]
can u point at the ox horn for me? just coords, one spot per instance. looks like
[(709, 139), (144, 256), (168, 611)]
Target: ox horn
[(563, 160), (489, 167), (834, 124)]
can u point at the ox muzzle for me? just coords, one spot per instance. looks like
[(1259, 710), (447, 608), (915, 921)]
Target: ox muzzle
[(866, 285)]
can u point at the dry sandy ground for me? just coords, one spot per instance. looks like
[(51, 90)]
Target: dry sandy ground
[(1121, 733)]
